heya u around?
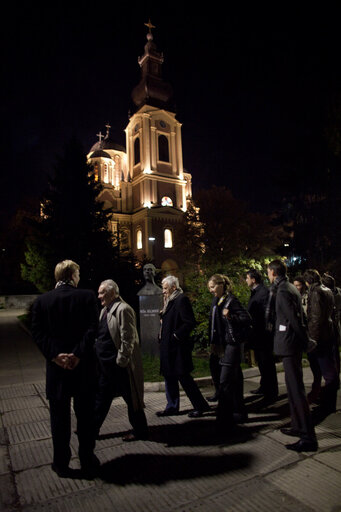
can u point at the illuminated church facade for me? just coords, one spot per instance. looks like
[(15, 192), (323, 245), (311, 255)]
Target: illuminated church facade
[(145, 182)]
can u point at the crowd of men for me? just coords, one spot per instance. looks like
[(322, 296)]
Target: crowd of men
[(301, 317), (92, 358)]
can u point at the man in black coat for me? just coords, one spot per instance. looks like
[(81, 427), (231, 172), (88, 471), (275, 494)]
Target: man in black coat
[(261, 340), (64, 324), (290, 340), (321, 328), (177, 322)]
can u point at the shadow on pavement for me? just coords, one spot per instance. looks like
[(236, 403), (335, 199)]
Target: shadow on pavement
[(196, 433), (158, 469)]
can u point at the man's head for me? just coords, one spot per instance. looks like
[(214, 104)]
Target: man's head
[(299, 283), (253, 277), (169, 285), (311, 276), (328, 281), (276, 268), (67, 270), (149, 272), (107, 292)]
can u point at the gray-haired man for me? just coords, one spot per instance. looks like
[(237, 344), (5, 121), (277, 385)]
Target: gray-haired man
[(119, 361)]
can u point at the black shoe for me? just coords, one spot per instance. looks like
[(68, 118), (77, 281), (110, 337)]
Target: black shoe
[(303, 446), (257, 391), (64, 472), (213, 398), (195, 414), (290, 432), (168, 412)]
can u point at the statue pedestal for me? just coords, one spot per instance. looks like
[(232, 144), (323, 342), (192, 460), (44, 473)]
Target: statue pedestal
[(150, 306)]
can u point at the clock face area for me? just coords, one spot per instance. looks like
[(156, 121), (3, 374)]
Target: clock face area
[(166, 201)]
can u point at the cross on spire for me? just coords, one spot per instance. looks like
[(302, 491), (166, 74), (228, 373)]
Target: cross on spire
[(108, 129), (150, 26), (100, 136)]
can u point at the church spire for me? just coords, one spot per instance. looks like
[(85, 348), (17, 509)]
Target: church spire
[(152, 89)]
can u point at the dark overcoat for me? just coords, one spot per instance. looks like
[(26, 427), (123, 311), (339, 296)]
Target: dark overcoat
[(259, 337), (175, 347), (291, 336), (64, 320), (320, 312)]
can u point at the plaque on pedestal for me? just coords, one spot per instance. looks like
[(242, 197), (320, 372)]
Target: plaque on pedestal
[(150, 304)]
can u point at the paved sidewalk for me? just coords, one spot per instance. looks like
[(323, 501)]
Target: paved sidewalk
[(181, 468)]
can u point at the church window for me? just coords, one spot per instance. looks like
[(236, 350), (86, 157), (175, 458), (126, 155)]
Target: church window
[(139, 239), (117, 163), (166, 201), (163, 149), (106, 174), (168, 237), (96, 171), (137, 151)]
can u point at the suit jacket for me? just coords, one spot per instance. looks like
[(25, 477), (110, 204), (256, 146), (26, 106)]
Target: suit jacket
[(175, 347), (290, 334), (65, 320), (260, 338), (122, 327)]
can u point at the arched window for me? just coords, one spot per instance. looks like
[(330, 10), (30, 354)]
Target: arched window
[(96, 171), (117, 160), (163, 149), (166, 201), (106, 174), (139, 239), (137, 151), (168, 236)]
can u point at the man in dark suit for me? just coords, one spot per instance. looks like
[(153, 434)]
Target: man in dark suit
[(177, 322), (290, 340), (64, 324), (261, 340)]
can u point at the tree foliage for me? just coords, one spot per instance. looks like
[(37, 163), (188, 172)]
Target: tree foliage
[(219, 228)]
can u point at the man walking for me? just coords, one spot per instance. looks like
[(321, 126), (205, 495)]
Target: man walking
[(261, 340), (64, 323), (177, 322), (321, 329), (120, 371), (290, 340)]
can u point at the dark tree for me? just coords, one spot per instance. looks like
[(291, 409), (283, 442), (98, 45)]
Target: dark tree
[(72, 225), (220, 228)]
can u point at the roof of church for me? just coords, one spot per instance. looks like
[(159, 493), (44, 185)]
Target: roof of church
[(106, 143), (152, 88), (99, 153)]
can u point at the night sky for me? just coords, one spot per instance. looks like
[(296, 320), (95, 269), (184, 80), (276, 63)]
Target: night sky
[(252, 88)]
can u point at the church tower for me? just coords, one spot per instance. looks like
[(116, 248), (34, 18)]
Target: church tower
[(153, 188)]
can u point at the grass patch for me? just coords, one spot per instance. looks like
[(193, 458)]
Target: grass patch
[(151, 367)]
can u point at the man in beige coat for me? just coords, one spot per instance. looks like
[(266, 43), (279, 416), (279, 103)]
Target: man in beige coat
[(120, 371)]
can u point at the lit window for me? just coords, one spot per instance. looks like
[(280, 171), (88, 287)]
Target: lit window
[(166, 201), (139, 239), (168, 238), (96, 171), (106, 173)]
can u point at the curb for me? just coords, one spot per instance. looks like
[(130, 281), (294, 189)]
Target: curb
[(202, 382)]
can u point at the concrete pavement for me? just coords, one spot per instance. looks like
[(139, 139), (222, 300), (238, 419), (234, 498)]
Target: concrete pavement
[(183, 467)]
